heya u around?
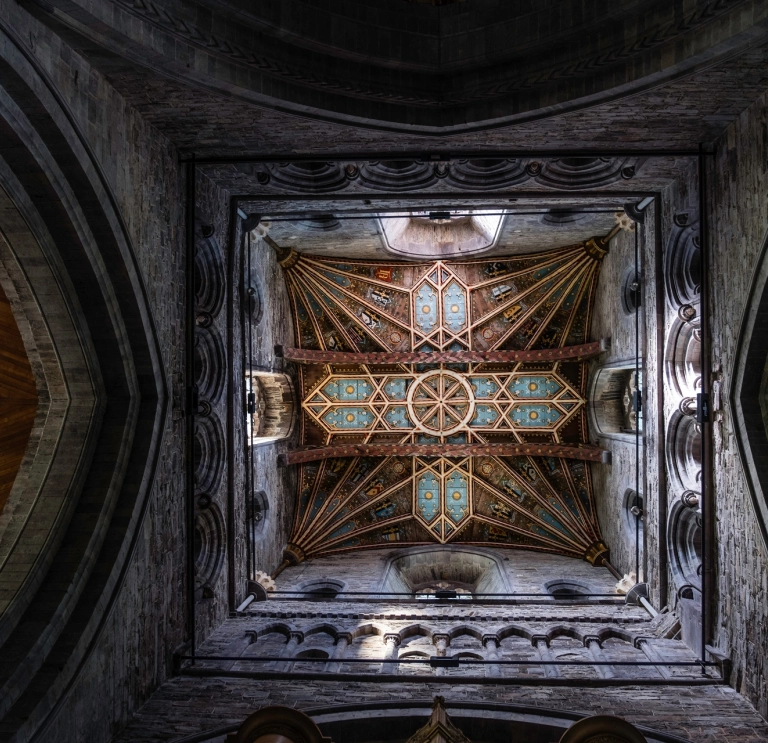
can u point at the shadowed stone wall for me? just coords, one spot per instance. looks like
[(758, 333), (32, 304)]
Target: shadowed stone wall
[(131, 651), (229, 701), (611, 319), (739, 182)]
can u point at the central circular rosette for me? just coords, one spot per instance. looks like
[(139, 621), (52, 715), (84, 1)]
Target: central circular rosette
[(440, 402)]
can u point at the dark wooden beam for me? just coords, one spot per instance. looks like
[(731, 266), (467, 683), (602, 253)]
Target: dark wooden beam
[(563, 451), (566, 353)]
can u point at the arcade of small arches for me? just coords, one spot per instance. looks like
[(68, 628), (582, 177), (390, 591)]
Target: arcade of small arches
[(375, 648)]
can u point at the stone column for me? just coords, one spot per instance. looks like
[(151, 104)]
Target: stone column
[(644, 644), (541, 643), (238, 647), (392, 642), (289, 650), (594, 646), (491, 645), (441, 643), (338, 652)]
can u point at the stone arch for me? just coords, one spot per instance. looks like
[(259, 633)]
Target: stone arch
[(562, 217), (468, 655), (274, 413), (210, 363), (210, 282), (564, 631), (610, 407), (466, 639), (567, 589), (312, 653), (585, 172), (314, 177), (85, 493), (269, 641), (749, 387), (209, 454), (514, 630), (465, 630), (416, 235), (317, 643), (684, 452), (499, 721), (475, 569), (397, 175), (368, 630), (319, 223), (19, 398), (415, 630), (683, 355), (684, 537), (279, 628), (322, 589), (210, 550), (612, 633), (683, 261), (257, 516), (366, 641), (487, 173), (322, 629)]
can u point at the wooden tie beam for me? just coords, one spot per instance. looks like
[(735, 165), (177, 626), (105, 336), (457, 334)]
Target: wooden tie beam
[(562, 451), (566, 353)]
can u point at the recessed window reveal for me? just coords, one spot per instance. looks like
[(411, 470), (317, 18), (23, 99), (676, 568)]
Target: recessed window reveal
[(423, 234)]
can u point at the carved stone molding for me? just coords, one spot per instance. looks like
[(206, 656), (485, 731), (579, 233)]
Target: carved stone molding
[(209, 271), (210, 363), (210, 550), (210, 450), (684, 452), (682, 360), (683, 261), (485, 174)]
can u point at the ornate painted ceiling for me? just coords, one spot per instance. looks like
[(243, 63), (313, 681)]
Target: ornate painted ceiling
[(444, 401)]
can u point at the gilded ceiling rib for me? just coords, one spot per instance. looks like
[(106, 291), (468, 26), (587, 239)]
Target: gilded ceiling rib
[(444, 401)]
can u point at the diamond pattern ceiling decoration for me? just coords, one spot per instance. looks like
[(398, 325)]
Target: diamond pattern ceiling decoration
[(477, 308), (538, 301), (411, 404)]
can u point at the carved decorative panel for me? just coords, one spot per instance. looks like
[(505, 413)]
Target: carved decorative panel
[(475, 397)]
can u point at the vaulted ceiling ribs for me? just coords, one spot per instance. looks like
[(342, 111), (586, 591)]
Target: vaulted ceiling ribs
[(451, 433), (539, 301)]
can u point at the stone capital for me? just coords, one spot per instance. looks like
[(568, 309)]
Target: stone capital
[(392, 638), (487, 639), (589, 639), (536, 639), (296, 635)]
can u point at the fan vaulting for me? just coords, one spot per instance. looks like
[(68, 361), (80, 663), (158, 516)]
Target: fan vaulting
[(413, 361)]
